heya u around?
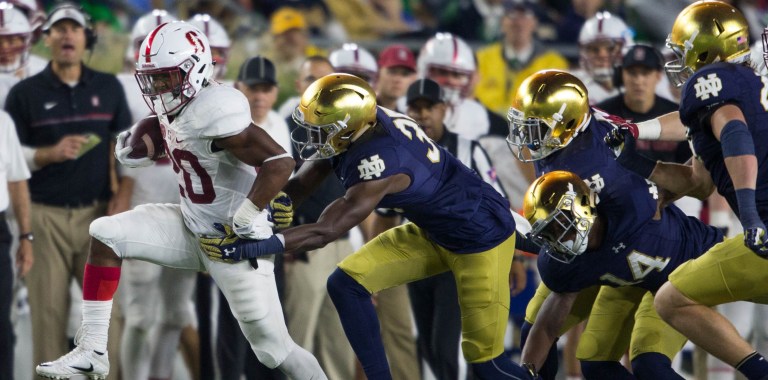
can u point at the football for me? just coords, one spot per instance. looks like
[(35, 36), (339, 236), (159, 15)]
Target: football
[(146, 139)]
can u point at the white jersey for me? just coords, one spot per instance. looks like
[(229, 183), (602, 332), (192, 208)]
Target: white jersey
[(286, 109), (34, 65), (468, 119), (213, 183)]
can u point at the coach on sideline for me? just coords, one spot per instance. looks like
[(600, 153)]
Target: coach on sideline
[(65, 117)]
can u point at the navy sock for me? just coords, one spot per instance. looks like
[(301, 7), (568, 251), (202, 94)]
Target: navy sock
[(605, 370), (653, 365), (549, 370), (361, 325), (500, 367), (754, 366)]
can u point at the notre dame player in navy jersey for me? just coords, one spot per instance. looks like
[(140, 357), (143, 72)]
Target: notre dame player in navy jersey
[(552, 124), (724, 105), (458, 222)]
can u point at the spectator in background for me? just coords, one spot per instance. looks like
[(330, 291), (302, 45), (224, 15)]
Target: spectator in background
[(313, 68), (257, 80), (289, 46), (220, 42), (66, 118), (504, 64), (370, 20), (473, 20), (312, 319), (574, 18), (397, 70), (356, 60), (602, 41), (640, 71), (14, 193), (16, 37)]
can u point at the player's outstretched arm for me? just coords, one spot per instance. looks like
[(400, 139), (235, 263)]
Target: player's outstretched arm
[(344, 213), (546, 328), (309, 176)]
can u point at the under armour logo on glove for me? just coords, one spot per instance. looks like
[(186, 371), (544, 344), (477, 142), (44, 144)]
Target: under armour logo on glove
[(231, 248), (755, 239)]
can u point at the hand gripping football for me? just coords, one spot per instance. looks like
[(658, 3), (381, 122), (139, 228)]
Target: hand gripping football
[(146, 139)]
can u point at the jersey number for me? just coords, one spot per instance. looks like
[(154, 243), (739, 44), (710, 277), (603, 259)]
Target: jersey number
[(188, 163), (409, 127), (641, 265)]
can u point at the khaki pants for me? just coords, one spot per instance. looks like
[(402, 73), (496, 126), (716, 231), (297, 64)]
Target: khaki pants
[(61, 250), (312, 319)]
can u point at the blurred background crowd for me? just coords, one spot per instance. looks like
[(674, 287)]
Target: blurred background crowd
[(478, 51)]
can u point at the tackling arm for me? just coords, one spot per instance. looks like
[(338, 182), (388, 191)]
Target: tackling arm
[(309, 176), (690, 179), (343, 213), (546, 328)]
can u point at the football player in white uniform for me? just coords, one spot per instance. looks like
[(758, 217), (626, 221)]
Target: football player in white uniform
[(603, 39), (219, 40), (214, 147), (150, 335)]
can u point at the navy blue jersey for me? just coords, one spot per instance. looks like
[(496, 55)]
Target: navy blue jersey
[(636, 250), (625, 199), (451, 203), (715, 85), (644, 259)]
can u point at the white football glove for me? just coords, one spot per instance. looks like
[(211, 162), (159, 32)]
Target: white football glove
[(122, 151), (250, 222)]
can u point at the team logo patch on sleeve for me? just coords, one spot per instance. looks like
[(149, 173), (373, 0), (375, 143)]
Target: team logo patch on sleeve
[(371, 167), (711, 85)]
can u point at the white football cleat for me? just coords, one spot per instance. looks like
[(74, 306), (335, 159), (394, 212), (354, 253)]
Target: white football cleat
[(92, 364)]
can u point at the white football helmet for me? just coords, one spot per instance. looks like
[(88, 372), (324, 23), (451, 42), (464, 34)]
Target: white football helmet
[(603, 34), (448, 52), (218, 38), (355, 60), (34, 14), (16, 30), (174, 64), (142, 27)]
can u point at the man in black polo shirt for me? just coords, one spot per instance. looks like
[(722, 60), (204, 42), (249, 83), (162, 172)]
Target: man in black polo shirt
[(65, 117)]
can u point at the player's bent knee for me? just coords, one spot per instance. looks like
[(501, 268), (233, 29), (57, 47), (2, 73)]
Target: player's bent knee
[(108, 231)]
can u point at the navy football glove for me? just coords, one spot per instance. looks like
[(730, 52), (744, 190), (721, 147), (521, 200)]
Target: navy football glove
[(755, 239), (623, 141), (231, 248), (281, 211)]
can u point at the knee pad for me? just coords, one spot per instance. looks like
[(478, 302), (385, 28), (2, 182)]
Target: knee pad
[(139, 317), (605, 370), (108, 231), (247, 293), (653, 365)]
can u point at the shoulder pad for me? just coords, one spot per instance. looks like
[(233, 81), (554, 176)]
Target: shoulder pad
[(218, 111)]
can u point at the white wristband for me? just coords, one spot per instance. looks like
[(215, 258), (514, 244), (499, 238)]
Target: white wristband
[(284, 155), (649, 130), (246, 213)]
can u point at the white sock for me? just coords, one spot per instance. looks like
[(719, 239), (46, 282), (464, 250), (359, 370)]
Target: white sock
[(95, 325)]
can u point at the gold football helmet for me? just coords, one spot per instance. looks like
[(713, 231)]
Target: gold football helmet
[(548, 111), (706, 32), (334, 111), (561, 210)]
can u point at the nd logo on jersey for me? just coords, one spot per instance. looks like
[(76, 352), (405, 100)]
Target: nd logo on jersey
[(371, 167), (709, 86)]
